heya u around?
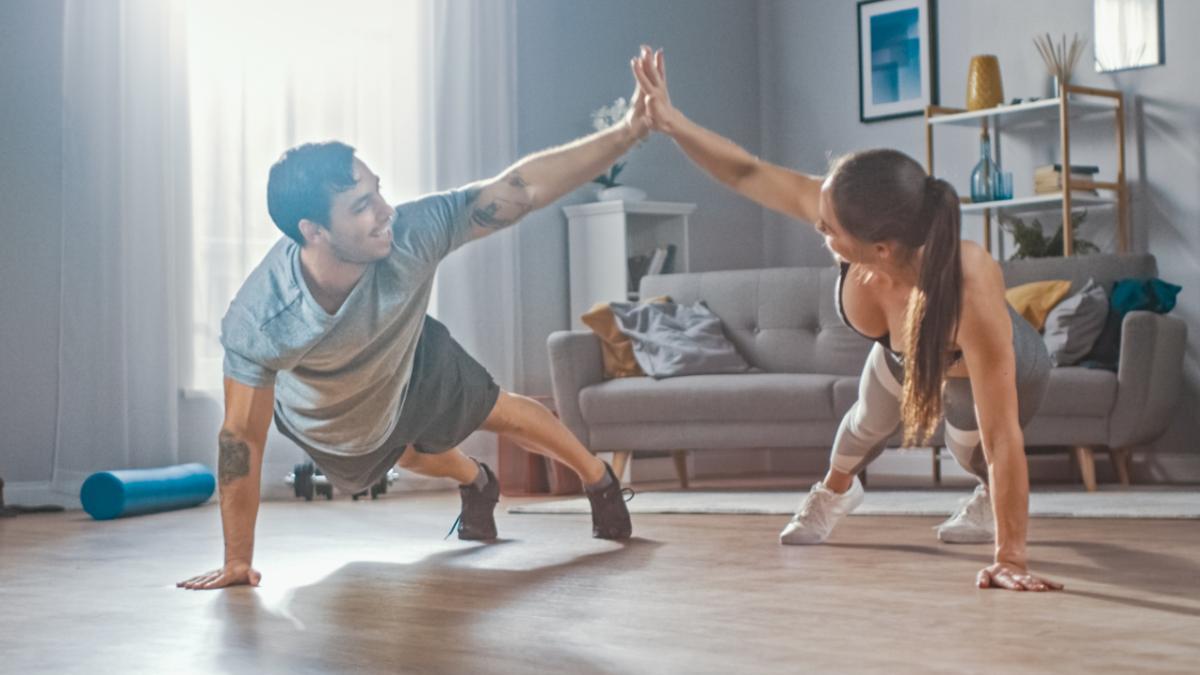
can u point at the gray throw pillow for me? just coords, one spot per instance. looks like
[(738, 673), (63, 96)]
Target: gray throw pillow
[(1074, 324), (670, 340)]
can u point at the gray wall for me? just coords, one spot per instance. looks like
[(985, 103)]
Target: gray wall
[(810, 109), (572, 58), (30, 229)]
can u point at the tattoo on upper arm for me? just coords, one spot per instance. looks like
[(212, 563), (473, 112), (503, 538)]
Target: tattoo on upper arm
[(233, 462), (486, 216), (502, 204)]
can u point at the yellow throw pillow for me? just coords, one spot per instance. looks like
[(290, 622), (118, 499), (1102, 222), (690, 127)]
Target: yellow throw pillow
[(615, 347), (1034, 301)]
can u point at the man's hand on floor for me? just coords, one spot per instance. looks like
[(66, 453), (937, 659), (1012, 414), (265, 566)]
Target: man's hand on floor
[(232, 574)]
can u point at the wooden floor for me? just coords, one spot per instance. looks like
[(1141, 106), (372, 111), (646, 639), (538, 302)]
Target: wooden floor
[(372, 587)]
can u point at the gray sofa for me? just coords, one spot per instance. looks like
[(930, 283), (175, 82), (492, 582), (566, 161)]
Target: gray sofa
[(784, 323)]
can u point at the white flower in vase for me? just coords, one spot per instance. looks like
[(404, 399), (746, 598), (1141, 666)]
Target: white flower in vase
[(603, 118)]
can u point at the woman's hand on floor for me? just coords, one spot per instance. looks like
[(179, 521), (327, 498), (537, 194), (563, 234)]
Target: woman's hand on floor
[(1013, 578), (232, 574)]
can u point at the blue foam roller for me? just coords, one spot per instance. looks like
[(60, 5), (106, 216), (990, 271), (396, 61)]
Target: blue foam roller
[(112, 494)]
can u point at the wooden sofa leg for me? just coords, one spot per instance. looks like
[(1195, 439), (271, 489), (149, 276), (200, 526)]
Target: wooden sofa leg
[(1087, 466), (680, 457), (1122, 460), (620, 461)]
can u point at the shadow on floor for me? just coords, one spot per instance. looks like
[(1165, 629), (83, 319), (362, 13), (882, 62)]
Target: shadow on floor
[(1137, 570), (428, 616)]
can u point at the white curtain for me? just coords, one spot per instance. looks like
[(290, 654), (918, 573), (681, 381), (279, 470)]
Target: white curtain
[(424, 91), (125, 207), (174, 113), (471, 134), (267, 75), (470, 127)]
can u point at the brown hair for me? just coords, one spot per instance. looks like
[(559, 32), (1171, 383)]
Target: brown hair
[(885, 195), (303, 182)]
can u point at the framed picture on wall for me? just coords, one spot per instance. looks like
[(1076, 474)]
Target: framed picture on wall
[(1128, 34), (897, 58)]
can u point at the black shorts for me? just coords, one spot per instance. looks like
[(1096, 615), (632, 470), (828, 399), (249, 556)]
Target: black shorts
[(449, 397)]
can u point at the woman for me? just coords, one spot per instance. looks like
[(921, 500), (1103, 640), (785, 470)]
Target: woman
[(944, 335)]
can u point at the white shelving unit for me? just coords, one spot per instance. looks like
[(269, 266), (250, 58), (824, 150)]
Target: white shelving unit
[(602, 236), (1073, 103), (1036, 111), (1037, 203)]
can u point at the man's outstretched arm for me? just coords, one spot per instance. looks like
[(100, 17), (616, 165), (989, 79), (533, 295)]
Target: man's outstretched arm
[(239, 473), (541, 178)]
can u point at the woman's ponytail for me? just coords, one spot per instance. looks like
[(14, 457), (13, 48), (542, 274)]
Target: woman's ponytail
[(933, 309)]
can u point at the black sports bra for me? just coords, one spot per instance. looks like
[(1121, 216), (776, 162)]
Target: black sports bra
[(886, 338)]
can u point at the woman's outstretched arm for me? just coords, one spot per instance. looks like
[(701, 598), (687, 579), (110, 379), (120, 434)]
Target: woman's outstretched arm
[(789, 192)]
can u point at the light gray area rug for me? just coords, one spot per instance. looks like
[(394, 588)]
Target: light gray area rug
[(1058, 504)]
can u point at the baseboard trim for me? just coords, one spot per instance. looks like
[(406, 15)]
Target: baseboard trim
[(38, 493)]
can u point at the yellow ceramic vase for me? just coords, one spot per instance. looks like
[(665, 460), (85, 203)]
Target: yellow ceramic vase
[(984, 89)]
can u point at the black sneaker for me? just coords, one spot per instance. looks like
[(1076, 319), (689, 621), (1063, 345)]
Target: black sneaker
[(477, 520), (610, 516)]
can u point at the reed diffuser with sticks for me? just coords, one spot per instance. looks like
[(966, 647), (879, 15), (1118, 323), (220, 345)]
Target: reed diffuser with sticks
[(1060, 57)]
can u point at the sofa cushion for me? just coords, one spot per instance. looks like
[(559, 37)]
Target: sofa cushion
[(781, 320), (674, 340), (696, 398), (1079, 392), (616, 349), (1034, 300), (1073, 326)]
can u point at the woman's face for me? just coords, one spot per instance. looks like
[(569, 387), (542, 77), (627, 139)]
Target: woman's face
[(841, 243)]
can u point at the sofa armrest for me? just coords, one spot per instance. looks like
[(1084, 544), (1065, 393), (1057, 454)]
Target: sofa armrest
[(575, 363), (1149, 377)]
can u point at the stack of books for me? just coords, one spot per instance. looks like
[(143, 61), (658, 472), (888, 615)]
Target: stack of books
[(658, 261), (1049, 179)]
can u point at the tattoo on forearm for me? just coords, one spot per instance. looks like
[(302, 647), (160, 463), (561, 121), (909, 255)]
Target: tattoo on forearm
[(234, 459), (502, 205)]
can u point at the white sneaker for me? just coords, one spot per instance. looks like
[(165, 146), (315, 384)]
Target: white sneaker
[(974, 522), (820, 512)]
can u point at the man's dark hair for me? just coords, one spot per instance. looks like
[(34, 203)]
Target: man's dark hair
[(303, 182)]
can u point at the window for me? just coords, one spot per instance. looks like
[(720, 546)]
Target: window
[(263, 76)]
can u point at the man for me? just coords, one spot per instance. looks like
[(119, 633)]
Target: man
[(329, 336)]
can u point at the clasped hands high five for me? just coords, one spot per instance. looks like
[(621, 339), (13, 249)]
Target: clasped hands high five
[(650, 108)]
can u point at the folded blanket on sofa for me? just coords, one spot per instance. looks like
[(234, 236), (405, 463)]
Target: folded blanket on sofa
[(670, 339), (1128, 295)]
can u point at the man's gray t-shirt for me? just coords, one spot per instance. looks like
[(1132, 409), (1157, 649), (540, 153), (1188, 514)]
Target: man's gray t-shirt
[(340, 379)]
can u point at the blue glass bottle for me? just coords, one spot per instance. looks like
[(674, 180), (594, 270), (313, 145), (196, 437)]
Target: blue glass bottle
[(986, 173)]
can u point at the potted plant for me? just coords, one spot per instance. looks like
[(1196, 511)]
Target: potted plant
[(1032, 242)]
